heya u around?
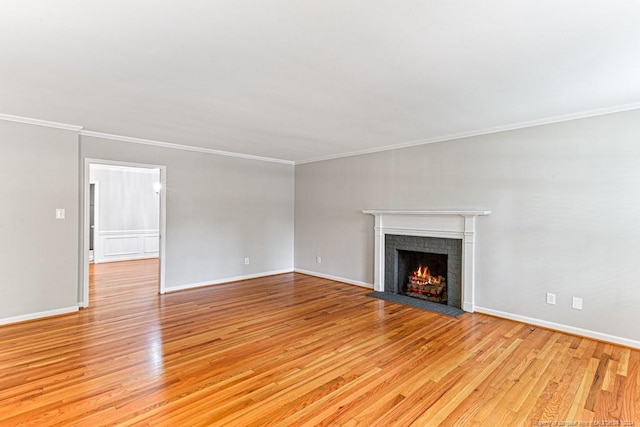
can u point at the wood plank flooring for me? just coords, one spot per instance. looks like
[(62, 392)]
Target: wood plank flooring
[(296, 350)]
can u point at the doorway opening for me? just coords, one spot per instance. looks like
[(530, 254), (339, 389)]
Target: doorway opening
[(124, 217), (93, 189)]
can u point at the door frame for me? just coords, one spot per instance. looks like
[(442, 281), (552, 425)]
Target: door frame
[(83, 294), (96, 209)]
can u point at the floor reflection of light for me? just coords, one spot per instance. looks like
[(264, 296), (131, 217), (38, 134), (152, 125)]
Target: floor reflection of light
[(154, 351)]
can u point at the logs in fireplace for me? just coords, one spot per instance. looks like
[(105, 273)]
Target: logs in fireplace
[(421, 284)]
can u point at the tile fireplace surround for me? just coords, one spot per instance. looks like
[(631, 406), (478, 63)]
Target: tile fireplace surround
[(427, 223)]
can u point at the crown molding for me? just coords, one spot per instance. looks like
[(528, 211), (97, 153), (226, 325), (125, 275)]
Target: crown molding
[(450, 137), (113, 167), (38, 122), (180, 147), (479, 132), (82, 132), (426, 212)]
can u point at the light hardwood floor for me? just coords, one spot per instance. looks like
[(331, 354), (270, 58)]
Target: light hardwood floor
[(298, 350)]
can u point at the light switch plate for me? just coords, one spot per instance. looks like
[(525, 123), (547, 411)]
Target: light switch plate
[(551, 298), (60, 213)]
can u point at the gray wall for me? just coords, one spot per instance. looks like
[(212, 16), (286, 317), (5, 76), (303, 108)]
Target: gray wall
[(127, 199), (39, 254), (566, 215), (219, 211)]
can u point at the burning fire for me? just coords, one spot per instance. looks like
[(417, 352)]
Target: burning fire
[(422, 276), (422, 284)]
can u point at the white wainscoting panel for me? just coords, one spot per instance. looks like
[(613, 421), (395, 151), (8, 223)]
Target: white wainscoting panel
[(151, 244), (124, 245)]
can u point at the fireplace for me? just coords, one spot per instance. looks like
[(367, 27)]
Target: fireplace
[(450, 233), (427, 268)]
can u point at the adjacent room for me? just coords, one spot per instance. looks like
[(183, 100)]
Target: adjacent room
[(340, 213)]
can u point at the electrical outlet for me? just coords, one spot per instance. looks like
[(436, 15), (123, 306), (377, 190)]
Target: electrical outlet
[(576, 303), (318, 260), (246, 261), (551, 298)]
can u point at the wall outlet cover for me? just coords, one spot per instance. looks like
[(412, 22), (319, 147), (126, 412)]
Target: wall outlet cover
[(576, 303)]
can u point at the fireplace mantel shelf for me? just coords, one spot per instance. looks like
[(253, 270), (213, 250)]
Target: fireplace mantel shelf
[(424, 212)]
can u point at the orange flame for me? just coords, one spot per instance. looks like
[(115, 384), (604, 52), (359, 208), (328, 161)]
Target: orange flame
[(423, 275)]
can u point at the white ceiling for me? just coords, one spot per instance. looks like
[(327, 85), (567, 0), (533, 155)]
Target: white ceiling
[(301, 80)]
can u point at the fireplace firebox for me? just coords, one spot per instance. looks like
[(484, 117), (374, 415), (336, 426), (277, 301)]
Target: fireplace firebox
[(423, 275), (428, 268)]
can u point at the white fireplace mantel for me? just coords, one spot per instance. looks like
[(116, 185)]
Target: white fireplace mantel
[(460, 224)]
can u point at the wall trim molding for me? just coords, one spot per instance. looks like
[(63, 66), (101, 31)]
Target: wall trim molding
[(480, 132), (561, 328), (133, 256), (38, 122), (225, 280), (450, 137), (39, 315), (334, 278), (123, 232), (172, 145), (117, 168)]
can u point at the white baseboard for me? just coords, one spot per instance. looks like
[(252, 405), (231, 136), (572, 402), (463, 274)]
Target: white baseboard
[(226, 280), (561, 328), (124, 258), (334, 278), (33, 316)]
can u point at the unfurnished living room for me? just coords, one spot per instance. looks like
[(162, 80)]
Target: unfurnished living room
[(340, 213)]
